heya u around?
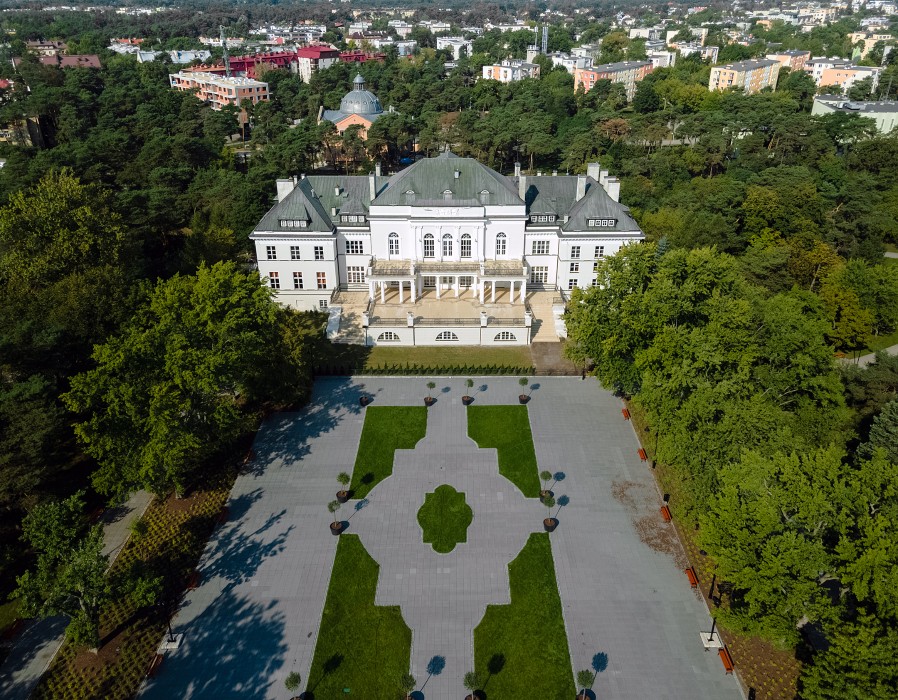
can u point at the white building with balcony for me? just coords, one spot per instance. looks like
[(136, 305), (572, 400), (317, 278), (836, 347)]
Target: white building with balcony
[(447, 250)]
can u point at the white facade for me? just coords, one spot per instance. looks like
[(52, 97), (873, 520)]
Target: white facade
[(456, 44)]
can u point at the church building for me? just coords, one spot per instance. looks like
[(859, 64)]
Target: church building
[(447, 250)]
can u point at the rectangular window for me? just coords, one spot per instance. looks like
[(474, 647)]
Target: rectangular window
[(575, 267), (466, 246), (429, 247), (319, 252), (322, 280), (540, 248), (297, 280), (600, 252), (322, 304), (595, 281), (274, 280), (571, 283), (355, 274), (539, 275), (353, 247), (542, 218), (601, 223), (575, 252), (394, 245), (271, 252), (294, 252)]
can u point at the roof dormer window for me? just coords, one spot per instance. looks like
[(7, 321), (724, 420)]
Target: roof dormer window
[(294, 223), (601, 223), (352, 219), (542, 218)]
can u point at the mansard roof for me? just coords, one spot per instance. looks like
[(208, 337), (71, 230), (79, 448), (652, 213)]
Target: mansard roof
[(557, 194), (433, 183), (301, 204)]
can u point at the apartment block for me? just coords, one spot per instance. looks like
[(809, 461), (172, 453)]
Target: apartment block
[(220, 91), (510, 71), (750, 76), (793, 60), (628, 73)]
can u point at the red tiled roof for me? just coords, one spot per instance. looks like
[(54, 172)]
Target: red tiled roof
[(317, 52)]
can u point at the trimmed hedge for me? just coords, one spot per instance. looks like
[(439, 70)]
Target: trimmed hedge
[(420, 370)]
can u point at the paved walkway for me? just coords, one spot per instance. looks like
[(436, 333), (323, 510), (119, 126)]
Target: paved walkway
[(865, 360), (35, 647), (255, 616)]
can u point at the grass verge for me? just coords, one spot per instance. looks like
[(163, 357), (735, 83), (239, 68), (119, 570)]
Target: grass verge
[(507, 428), (386, 429), (444, 518), (176, 533), (361, 646), (521, 649), (449, 357)]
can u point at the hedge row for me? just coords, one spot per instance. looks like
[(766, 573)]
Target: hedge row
[(419, 370)]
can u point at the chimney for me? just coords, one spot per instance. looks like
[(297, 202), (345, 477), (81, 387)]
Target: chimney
[(457, 174), (285, 187), (603, 177), (377, 169), (522, 187), (372, 185), (517, 169), (337, 191), (612, 187), (554, 173), (592, 170), (581, 187)]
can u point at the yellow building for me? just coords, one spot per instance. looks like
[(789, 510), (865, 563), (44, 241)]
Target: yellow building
[(750, 76)]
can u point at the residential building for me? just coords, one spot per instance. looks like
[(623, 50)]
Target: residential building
[(686, 48), (662, 59), (60, 61), (447, 231), (358, 107), (177, 57), (46, 48), (794, 59), (751, 76), (568, 62), (846, 75), (403, 47), (868, 40), (232, 42), (219, 90), (628, 73), (311, 59), (402, 28), (456, 44), (511, 70), (884, 113), (359, 56)]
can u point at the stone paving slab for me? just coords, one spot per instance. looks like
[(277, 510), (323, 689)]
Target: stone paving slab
[(265, 573)]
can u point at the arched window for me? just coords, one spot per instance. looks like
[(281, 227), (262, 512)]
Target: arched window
[(500, 244), (504, 336), (466, 245), (394, 243), (446, 336), (428, 245), (447, 245), (387, 337)]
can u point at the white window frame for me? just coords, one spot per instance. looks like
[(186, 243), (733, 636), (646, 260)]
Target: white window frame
[(321, 280), (465, 245), (539, 274), (539, 247), (430, 248), (571, 283), (446, 337), (388, 337), (355, 248), (355, 274), (295, 253), (271, 252), (319, 252), (501, 244), (504, 337), (574, 267), (393, 243), (447, 245), (274, 280), (600, 252), (575, 252)]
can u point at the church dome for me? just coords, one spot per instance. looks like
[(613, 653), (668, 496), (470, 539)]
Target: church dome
[(360, 100)]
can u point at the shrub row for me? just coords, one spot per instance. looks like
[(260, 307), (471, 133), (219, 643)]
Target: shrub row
[(420, 370)]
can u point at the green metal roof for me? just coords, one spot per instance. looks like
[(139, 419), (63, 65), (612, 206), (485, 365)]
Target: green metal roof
[(300, 204)]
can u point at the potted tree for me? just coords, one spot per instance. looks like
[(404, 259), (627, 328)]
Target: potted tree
[(549, 523), (343, 494), (472, 683), (336, 527), (467, 398), (364, 400), (522, 397), (429, 400), (407, 684), (292, 681), (584, 680), (545, 492)]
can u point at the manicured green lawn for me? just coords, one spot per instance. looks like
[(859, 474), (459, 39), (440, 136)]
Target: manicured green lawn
[(507, 428), (361, 646), (521, 649), (445, 518), (386, 429), (449, 357)]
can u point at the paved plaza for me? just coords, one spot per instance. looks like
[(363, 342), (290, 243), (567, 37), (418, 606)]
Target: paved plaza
[(265, 573)]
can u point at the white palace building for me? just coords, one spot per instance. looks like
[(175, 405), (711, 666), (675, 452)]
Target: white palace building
[(445, 251)]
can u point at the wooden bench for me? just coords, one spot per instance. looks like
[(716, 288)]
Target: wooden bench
[(727, 659), (665, 513), (642, 455), (155, 663), (194, 581), (626, 413), (693, 579)]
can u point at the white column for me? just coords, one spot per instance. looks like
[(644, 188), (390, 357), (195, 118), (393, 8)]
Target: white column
[(482, 285), (523, 291), (401, 285), (420, 287), (457, 286), (370, 290), (492, 291), (383, 295), (439, 280)]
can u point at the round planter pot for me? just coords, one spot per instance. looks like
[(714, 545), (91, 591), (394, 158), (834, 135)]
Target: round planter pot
[(429, 401), (336, 528), (545, 493), (550, 524), (467, 400), (364, 400), (523, 398), (342, 496)]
